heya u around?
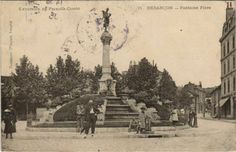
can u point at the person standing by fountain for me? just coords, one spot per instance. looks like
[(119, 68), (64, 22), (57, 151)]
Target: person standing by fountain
[(9, 118), (91, 112), (174, 116), (191, 117), (142, 119), (81, 123)]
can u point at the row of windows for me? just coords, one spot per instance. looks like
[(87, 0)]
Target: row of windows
[(228, 25), (227, 88), (226, 67), (226, 47)]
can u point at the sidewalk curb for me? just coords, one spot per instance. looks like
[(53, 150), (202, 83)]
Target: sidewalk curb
[(96, 136), (103, 130), (220, 120)]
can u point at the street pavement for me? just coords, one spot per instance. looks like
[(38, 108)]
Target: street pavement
[(209, 136)]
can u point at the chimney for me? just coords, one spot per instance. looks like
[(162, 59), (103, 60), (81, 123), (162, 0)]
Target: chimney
[(229, 10)]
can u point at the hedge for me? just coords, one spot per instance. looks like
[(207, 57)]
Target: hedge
[(68, 111)]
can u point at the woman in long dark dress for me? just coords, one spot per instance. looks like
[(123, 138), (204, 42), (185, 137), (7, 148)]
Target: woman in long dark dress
[(9, 120)]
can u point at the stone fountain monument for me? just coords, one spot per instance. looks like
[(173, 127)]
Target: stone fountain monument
[(106, 84), (116, 111)]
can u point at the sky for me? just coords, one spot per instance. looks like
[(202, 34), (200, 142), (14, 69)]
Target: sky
[(183, 41)]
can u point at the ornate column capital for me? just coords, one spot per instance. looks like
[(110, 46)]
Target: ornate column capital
[(106, 38)]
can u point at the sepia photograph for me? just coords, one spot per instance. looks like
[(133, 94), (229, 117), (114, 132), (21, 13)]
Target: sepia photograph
[(118, 75)]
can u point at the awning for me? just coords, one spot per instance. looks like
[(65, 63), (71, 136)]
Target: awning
[(222, 102)]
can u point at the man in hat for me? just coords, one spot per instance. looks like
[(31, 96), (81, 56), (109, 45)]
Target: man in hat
[(91, 112)]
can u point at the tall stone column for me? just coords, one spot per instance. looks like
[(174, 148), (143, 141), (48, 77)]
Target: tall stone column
[(106, 66), (106, 83)]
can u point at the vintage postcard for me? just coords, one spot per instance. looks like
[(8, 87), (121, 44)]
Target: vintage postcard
[(118, 75)]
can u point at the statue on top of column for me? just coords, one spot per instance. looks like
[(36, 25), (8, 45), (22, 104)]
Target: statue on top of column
[(106, 17)]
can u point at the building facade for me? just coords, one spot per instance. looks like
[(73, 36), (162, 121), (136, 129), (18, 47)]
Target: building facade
[(228, 64), (215, 100), (198, 97)]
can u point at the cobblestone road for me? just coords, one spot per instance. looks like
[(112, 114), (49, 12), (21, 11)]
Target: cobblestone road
[(210, 136)]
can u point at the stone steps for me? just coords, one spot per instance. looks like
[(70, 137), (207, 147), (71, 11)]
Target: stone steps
[(115, 100), (115, 117), (118, 114), (118, 108), (112, 98), (121, 113), (118, 105)]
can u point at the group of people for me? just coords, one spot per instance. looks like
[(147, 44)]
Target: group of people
[(9, 118), (188, 117), (87, 117), (142, 123), (86, 120)]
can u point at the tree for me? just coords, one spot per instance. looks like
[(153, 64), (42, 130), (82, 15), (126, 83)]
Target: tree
[(184, 99), (72, 74), (8, 91), (98, 71), (72, 68), (31, 84), (132, 77), (97, 76), (122, 83), (64, 77), (115, 74), (143, 77), (60, 67), (87, 79), (167, 88), (144, 80), (147, 75)]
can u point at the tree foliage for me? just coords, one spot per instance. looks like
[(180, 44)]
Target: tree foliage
[(167, 88), (63, 77), (30, 83), (142, 77), (184, 99), (66, 77)]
